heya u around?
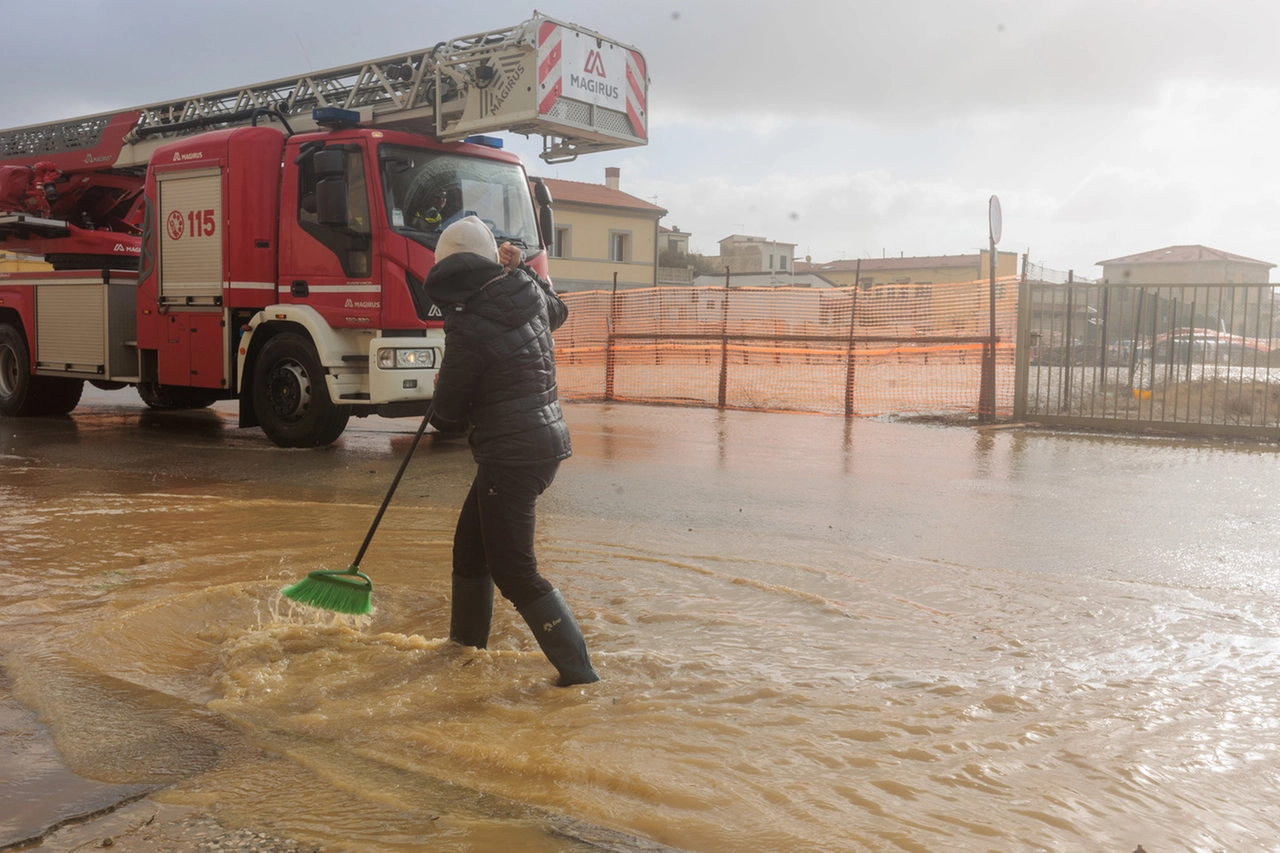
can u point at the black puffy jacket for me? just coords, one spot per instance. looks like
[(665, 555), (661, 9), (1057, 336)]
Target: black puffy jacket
[(498, 376)]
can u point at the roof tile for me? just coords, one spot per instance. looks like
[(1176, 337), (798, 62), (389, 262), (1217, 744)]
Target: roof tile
[(583, 193), (1182, 255)]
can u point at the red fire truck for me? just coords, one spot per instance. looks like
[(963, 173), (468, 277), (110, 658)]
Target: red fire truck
[(267, 244)]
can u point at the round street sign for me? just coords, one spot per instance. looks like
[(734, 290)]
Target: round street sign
[(993, 219)]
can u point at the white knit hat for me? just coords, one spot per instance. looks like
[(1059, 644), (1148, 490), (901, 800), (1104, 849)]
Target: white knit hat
[(468, 234)]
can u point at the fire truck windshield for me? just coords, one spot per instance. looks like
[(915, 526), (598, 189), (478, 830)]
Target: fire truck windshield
[(426, 191)]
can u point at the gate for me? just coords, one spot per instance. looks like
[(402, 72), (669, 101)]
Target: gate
[(1180, 358)]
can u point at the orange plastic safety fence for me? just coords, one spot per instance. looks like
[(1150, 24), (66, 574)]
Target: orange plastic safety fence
[(908, 349)]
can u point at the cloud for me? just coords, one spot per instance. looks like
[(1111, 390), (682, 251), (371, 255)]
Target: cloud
[(909, 60), (869, 213), (1110, 194), (914, 60)]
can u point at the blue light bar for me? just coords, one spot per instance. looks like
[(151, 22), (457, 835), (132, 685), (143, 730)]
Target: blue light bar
[(491, 141), (335, 117)]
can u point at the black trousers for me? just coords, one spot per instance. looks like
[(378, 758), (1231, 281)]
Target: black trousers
[(495, 530)]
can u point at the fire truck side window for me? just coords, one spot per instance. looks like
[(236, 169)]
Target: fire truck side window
[(351, 243)]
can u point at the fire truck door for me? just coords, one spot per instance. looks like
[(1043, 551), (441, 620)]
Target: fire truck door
[(191, 271)]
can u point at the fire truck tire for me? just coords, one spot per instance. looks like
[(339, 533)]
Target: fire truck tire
[(23, 395), (16, 399), (173, 398), (290, 396), (56, 395)]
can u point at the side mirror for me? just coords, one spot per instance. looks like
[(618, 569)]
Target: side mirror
[(546, 219), (331, 187), (547, 225), (541, 193)]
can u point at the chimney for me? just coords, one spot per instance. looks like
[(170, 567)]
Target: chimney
[(612, 175)]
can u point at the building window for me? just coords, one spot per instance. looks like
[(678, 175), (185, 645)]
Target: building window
[(782, 262), (560, 248), (620, 247)]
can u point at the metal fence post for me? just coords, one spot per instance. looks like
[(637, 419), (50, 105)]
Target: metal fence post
[(1021, 352), (609, 357), (850, 368), (1068, 345), (724, 345), (987, 380), (1140, 304)]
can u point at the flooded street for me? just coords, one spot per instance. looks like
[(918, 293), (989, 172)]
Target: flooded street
[(814, 635)]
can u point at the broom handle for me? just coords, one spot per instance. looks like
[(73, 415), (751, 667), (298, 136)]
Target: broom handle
[(422, 427)]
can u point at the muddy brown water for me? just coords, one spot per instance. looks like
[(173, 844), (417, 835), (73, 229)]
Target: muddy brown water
[(814, 635)]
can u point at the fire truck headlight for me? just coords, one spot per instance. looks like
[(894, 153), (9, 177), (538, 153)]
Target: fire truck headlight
[(401, 359)]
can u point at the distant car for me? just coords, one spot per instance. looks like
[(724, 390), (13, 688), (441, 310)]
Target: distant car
[(1208, 346), (1121, 350)]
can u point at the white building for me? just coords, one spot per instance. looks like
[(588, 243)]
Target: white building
[(673, 240), (744, 253)]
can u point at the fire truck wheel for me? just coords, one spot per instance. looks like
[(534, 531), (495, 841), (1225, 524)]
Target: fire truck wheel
[(290, 396), (16, 399), (24, 395), (56, 395)]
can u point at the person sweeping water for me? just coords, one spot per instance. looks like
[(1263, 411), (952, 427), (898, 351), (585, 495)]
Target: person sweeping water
[(498, 379)]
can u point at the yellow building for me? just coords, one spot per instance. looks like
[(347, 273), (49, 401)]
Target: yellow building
[(1238, 309), (10, 262), (938, 269), (602, 232), (1185, 265)]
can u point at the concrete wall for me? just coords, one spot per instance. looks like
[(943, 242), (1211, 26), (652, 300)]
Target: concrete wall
[(742, 258), (756, 255), (763, 279), (1006, 265)]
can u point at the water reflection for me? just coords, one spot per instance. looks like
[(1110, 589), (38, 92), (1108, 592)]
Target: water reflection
[(39, 431), (984, 445), (722, 438), (200, 422)]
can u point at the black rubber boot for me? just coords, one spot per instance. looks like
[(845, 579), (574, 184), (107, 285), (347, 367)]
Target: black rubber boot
[(561, 640), (471, 612)]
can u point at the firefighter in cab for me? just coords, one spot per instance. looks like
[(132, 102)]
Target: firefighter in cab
[(440, 210)]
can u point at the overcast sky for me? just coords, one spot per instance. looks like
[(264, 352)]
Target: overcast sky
[(853, 129)]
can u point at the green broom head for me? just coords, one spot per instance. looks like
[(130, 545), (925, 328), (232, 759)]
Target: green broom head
[(348, 591)]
